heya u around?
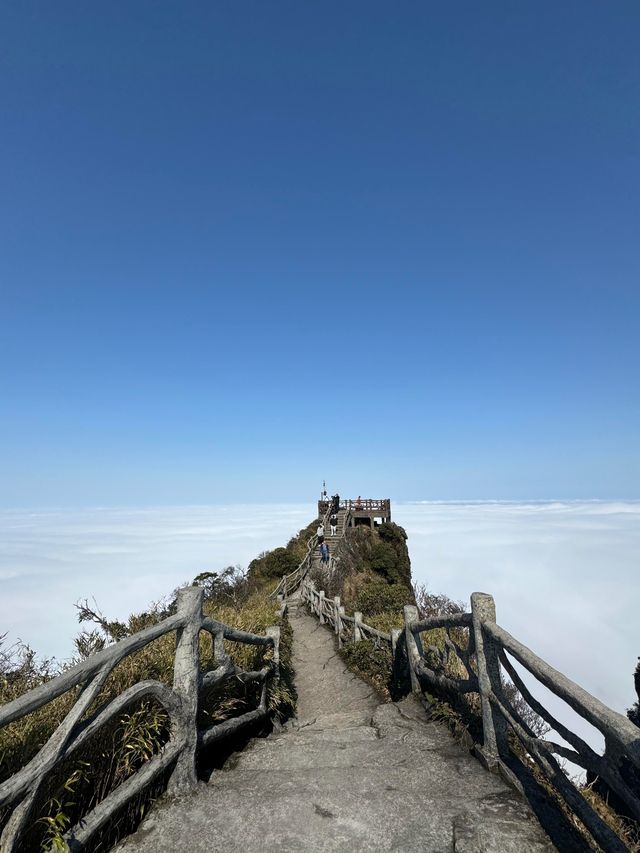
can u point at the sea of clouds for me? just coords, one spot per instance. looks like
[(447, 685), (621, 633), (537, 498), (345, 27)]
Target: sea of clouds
[(564, 575), (125, 559)]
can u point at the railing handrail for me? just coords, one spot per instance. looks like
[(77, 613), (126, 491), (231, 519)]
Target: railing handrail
[(611, 723), (113, 654), (288, 583), (483, 657), (362, 504), (330, 607), (180, 701)]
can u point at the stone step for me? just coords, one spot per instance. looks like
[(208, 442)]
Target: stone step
[(301, 752), (344, 719), (311, 735), (350, 774), (343, 810)]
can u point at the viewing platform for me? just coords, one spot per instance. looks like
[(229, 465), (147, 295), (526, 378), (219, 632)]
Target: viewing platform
[(371, 511)]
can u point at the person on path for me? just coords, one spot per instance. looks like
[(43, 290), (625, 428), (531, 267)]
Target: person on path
[(320, 533), (335, 504), (324, 554), (333, 521)]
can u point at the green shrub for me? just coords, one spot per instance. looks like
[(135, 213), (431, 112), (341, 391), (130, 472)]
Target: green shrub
[(297, 545), (384, 561), (396, 536), (273, 564), (371, 662), (381, 550), (377, 596)]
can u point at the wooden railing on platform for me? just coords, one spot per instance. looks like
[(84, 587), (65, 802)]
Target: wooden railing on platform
[(367, 505), (476, 659), (179, 701), (380, 505)]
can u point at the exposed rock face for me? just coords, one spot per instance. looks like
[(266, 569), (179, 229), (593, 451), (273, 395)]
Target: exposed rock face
[(376, 558)]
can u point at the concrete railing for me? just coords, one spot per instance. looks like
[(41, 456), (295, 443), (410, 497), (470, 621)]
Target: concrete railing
[(347, 628), (474, 657), (179, 701)]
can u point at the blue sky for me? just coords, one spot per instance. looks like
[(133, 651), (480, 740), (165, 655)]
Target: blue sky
[(245, 246)]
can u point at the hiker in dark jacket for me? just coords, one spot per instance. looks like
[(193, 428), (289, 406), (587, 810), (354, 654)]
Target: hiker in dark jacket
[(333, 521)]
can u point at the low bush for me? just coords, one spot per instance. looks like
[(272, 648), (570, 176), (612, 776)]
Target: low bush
[(371, 662), (119, 749), (377, 596), (272, 565)]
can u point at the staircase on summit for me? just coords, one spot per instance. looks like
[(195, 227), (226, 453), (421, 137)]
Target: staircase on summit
[(331, 540)]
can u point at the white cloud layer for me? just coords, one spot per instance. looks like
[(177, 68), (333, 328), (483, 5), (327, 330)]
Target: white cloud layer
[(125, 558), (564, 575)]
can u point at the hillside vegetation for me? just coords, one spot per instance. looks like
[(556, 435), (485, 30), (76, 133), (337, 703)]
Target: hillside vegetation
[(373, 576), (117, 751)]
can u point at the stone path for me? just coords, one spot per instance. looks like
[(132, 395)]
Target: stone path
[(349, 774)]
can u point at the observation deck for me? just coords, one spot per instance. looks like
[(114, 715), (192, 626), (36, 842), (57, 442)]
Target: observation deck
[(371, 511)]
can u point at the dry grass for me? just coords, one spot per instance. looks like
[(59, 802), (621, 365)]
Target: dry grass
[(122, 746), (627, 830)]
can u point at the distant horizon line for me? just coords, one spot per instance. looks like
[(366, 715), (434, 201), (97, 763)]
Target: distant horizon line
[(399, 501)]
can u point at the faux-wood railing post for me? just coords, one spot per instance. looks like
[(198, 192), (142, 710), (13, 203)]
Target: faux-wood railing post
[(321, 606), (185, 684), (396, 633), (274, 633), (336, 609), (494, 726), (357, 633), (414, 645), (218, 647)]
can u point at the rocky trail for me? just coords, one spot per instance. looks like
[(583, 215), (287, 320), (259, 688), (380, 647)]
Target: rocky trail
[(348, 774)]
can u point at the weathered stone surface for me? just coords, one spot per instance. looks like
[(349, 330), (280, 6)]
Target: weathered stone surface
[(348, 775)]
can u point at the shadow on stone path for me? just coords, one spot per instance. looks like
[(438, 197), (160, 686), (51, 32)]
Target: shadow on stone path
[(348, 774)]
